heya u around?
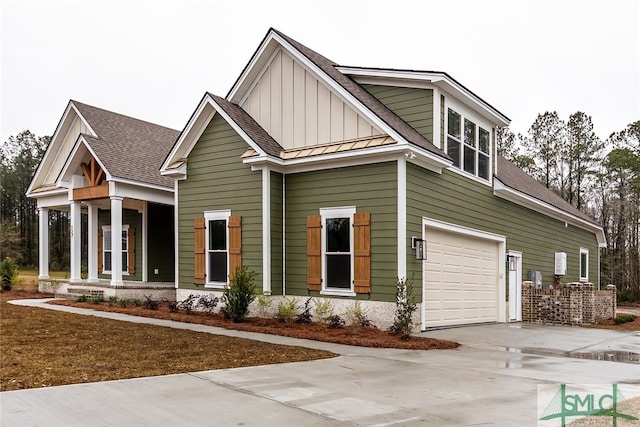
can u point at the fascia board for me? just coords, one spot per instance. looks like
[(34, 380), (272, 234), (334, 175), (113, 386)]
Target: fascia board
[(142, 184), (145, 192), (439, 79), (265, 48), (54, 141), (48, 193), (80, 142), (422, 158), (176, 173), (519, 198), (191, 138), (194, 129)]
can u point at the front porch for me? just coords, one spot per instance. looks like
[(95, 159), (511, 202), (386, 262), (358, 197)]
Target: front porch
[(71, 289)]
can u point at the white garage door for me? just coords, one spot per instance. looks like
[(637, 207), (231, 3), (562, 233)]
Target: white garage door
[(460, 279)]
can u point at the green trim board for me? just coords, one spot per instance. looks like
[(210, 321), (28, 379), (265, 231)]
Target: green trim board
[(218, 180)]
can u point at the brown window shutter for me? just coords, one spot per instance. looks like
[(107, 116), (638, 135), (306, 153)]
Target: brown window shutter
[(199, 251), (100, 241), (235, 244), (314, 252), (362, 252), (131, 251)]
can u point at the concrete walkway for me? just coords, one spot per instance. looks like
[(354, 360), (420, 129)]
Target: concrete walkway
[(491, 380)]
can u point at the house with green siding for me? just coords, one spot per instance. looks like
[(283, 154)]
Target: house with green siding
[(334, 182)]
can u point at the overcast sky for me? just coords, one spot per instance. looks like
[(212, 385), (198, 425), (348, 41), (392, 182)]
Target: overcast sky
[(154, 59)]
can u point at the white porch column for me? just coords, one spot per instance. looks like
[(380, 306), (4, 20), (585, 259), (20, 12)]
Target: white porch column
[(116, 240), (43, 243), (92, 244), (76, 235)]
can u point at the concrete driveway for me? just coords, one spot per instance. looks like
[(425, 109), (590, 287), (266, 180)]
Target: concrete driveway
[(490, 380)]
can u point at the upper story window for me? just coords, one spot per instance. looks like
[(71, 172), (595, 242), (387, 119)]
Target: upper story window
[(468, 144)]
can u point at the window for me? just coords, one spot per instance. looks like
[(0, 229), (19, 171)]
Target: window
[(337, 248), (107, 252), (584, 265), (217, 248), (468, 144)]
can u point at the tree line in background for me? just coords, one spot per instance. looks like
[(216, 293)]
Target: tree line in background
[(599, 177), (19, 159)]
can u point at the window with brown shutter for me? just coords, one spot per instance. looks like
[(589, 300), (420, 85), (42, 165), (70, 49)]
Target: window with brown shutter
[(314, 252), (198, 251), (362, 252), (235, 244)]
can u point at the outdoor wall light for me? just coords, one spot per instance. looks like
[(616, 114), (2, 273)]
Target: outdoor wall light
[(512, 262), (421, 248)]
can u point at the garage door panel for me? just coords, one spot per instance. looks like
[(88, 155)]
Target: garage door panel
[(461, 279)]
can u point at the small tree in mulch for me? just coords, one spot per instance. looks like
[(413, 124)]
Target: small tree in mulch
[(405, 308), (8, 273), (240, 294)]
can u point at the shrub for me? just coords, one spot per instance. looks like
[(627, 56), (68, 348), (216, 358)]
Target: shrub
[(287, 310), (240, 294), (357, 317), (305, 317), (264, 303), (97, 299), (8, 273), (188, 304), (208, 303), (624, 318), (323, 308), (335, 321), (81, 298), (150, 304), (112, 300), (405, 308)]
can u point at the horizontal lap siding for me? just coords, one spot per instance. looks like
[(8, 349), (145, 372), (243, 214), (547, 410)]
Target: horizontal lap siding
[(276, 233), (370, 188), (455, 199), (217, 180), (414, 106)]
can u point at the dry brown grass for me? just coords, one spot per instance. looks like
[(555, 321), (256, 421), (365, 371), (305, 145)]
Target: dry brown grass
[(41, 348)]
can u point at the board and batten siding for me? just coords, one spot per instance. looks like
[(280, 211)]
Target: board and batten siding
[(414, 106), (370, 188), (68, 142), (217, 180), (298, 110), (455, 199)]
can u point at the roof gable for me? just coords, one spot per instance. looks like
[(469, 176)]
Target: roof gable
[(128, 149), (362, 101)]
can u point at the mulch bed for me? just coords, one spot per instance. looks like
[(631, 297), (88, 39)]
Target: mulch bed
[(349, 335)]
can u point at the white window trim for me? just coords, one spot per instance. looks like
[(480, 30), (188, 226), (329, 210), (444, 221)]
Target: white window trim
[(213, 216), (586, 252), (337, 212), (125, 227), (465, 114)]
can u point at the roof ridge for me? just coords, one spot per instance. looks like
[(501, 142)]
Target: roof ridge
[(74, 102)]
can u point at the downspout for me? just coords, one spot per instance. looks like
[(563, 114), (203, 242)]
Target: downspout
[(284, 234)]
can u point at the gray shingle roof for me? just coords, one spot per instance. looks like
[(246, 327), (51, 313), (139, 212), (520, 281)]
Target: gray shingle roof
[(514, 177), (368, 100), (129, 148), (249, 125)]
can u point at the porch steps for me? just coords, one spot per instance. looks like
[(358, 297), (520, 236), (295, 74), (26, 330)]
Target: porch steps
[(73, 293)]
